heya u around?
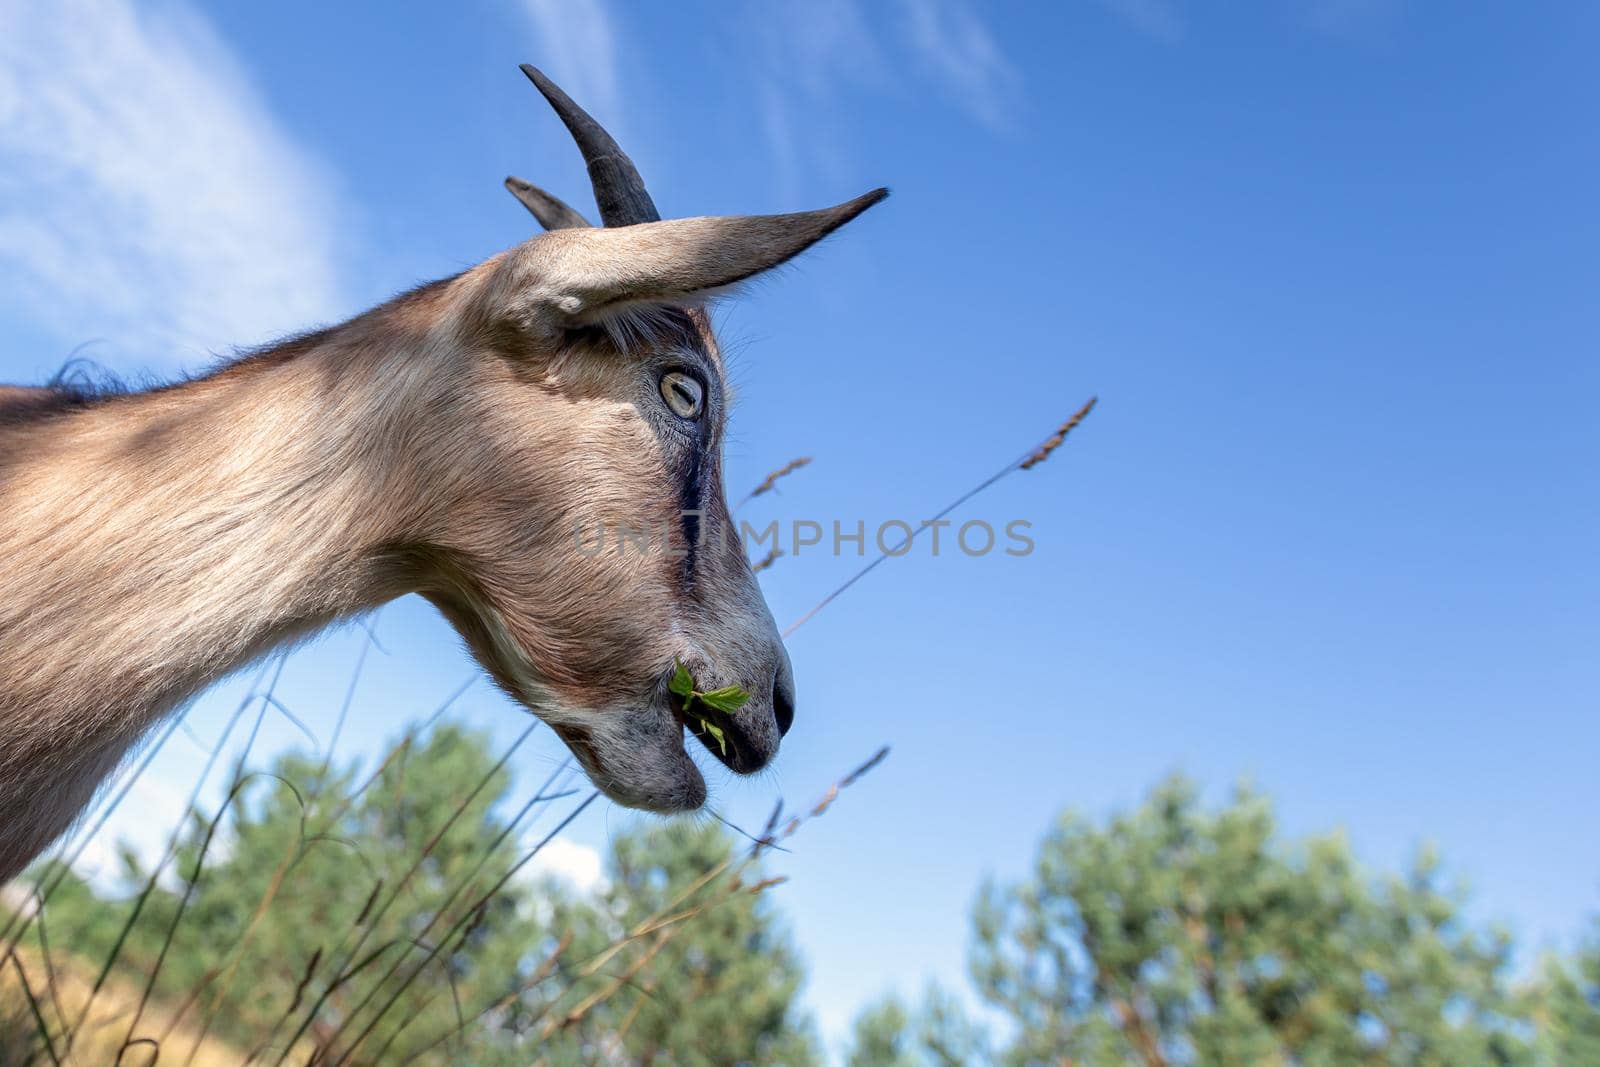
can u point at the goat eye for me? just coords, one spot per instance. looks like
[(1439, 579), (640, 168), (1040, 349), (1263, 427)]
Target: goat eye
[(683, 394)]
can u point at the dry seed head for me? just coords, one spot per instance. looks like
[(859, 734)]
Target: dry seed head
[(782, 472), (1054, 441)]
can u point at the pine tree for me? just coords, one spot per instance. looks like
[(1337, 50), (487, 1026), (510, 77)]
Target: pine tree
[(1570, 1008), (938, 1034), (718, 987), (366, 913), (1172, 935)]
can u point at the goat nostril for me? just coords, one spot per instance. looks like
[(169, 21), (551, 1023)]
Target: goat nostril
[(782, 706)]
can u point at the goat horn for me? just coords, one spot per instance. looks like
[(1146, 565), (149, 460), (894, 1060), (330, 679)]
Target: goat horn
[(618, 189), (552, 212)]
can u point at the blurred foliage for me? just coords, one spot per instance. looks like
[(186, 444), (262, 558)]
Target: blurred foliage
[(315, 901), (1568, 1005), (328, 917), (888, 1034), (718, 989), (373, 917), (1176, 935)]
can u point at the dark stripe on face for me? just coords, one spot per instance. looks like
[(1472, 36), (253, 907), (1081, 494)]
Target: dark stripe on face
[(697, 464), (691, 497)]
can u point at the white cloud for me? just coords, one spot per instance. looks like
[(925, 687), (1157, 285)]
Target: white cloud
[(19, 898), (1161, 19), (143, 823), (147, 194), (578, 864), (578, 48), (963, 55), (811, 61), (803, 59), (1166, 20), (831, 44)]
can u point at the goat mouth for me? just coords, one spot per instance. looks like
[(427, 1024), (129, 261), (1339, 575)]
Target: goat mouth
[(640, 758), (724, 735)]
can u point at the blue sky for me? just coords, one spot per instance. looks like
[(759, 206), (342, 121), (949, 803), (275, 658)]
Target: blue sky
[(1329, 264)]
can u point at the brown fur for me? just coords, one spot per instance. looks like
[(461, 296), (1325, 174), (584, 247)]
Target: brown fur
[(448, 443)]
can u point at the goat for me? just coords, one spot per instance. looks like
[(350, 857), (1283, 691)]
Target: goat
[(453, 442)]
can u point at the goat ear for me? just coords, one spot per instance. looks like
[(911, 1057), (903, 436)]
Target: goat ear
[(583, 276), (552, 212)]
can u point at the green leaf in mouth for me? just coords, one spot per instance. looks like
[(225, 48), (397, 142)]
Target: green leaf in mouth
[(715, 731), (728, 699), (682, 682)]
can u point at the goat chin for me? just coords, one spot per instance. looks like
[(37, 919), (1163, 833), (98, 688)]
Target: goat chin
[(635, 755), (638, 759)]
